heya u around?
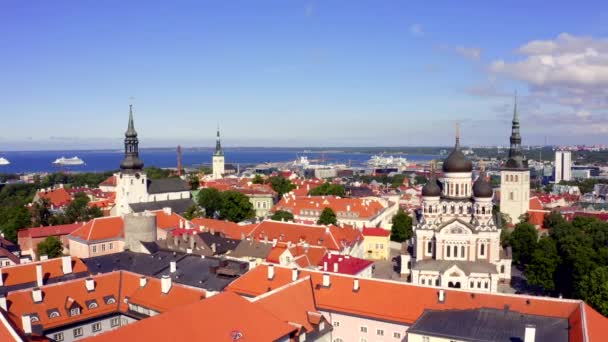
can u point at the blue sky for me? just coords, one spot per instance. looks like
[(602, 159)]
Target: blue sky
[(300, 73)]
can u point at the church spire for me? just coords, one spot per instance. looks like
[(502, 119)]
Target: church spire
[(515, 160), (218, 144), (131, 162), (457, 126)]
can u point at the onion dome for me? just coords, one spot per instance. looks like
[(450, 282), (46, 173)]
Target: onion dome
[(431, 188), (456, 161), (482, 188)]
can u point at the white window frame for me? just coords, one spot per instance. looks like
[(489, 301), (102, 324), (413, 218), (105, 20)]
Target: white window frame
[(380, 332), (77, 332), (96, 327), (58, 336), (363, 329)]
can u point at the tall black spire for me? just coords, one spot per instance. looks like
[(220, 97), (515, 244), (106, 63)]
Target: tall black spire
[(131, 162), (218, 144), (516, 158)]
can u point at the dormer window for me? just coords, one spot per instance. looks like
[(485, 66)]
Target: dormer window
[(75, 312), (92, 304), (34, 318), (53, 313), (109, 300)]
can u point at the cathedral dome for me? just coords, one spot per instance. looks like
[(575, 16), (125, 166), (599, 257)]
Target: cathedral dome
[(431, 188), (457, 162), (481, 187)]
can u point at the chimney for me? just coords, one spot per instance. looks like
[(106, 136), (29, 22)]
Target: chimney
[(165, 284), (172, 266), (242, 236), (37, 295), (26, 324), (66, 264), (175, 241), (270, 272), (89, 283), (191, 242), (294, 274), (530, 333), (441, 296), (348, 207), (335, 267), (3, 305), (356, 284), (326, 282), (189, 250), (44, 257), (213, 248), (143, 281), (1, 278), (274, 242), (167, 210), (39, 280), (326, 230), (325, 266), (181, 223)]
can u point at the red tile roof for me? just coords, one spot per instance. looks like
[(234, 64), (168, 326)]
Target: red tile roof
[(376, 232), (58, 197), (110, 181), (229, 229), (26, 273), (38, 232), (362, 208), (102, 228), (169, 220), (345, 264), (224, 317)]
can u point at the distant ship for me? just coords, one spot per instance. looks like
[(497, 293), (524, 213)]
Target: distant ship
[(4, 162), (68, 161)]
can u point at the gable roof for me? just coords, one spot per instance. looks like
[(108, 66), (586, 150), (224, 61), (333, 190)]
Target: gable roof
[(24, 275), (222, 317), (228, 228), (58, 197), (167, 185), (359, 208), (376, 232), (99, 229), (177, 206), (39, 232)]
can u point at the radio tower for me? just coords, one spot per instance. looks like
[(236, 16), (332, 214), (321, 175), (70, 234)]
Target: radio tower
[(179, 160)]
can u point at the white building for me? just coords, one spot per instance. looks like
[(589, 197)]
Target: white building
[(218, 158), (563, 163), (456, 241), (515, 178), (133, 186)]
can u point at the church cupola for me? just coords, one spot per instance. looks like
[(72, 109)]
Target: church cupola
[(432, 187), (456, 162), (131, 163), (482, 188)]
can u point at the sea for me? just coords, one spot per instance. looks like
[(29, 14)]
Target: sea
[(106, 160)]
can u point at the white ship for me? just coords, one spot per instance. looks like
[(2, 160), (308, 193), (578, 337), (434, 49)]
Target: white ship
[(379, 161), (4, 161), (68, 161)]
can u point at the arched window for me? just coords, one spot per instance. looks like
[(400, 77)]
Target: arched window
[(479, 284), (516, 178), (423, 281), (482, 249), (456, 189), (437, 282), (93, 305), (462, 251), (448, 251), (502, 268), (429, 248), (455, 251), (486, 284), (34, 319), (483, 210), (472, 284), (54, 314)]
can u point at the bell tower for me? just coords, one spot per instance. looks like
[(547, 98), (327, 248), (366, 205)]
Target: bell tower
[(218, 158)]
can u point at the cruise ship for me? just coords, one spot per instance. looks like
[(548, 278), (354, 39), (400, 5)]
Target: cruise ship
[(68, 161), (4, 161)]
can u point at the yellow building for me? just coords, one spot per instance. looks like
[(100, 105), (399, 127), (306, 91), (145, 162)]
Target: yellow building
[(376, 242)]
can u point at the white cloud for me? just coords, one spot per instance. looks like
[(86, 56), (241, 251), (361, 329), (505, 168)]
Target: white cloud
[(416, 30), (471, 53)]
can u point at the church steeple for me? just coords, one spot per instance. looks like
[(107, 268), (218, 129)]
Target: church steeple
[(218, 144), (131, 163), (516, 159)]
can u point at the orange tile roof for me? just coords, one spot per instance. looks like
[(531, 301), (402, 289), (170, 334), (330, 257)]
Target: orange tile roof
[(110, 181), (169, 221), (102, 228), (332, 237), (57, 197), (361, 207), (301, 301), (51, 268), (376, 232), (59, 230), (117, 284), (597, 325), (229, 229), (393, 301), (224, 317)]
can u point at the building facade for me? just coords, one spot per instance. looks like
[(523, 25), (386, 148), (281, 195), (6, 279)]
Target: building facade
[(563, 164), (376, 242), (218, 158), (515, 178), (456, 241)]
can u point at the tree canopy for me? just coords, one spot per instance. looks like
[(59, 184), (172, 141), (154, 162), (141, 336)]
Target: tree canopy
[(328, 216), (51, 246), (210, 200), (281, 185), (328, 189), (401, 229), (282, 215), (523, 240), (235, 207)]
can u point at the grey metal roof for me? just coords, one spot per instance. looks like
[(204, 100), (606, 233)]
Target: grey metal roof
[(161, 186), (488, 325), (209, 273), (467, 267), (252, 249), (222, 244), (177, 206)]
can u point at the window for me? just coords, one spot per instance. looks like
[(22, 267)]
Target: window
[(58, 336), (34, 318), (110, 246), (472, 285), (124, 321), (337, 339), (429, 247), (462, 251), (77, 332), (449, 249), (486, 284), (502, 268), (93, 305), (363, 329), (482, 249), (336, 324), (426, 339), (54, 314), (511, 195), (111, 300), (397, 335), (379, 332), (103, 247), (423, 281), (114, 322), (96, 327), (455, 251), (94, 249), (75, 312)]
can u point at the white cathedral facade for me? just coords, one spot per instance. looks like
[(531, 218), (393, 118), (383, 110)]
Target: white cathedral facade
[(456, 241)]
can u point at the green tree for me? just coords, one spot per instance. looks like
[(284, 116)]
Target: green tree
[(41, 215), (523, 241), (594, 289), (420, 179), (328, 217), (282, 215), (210, 200), (235, 207), (401, 229), (281, 185), (257, 179), (328, 189), (552, 219), (194, 181), (13, 218), (397, 180), (79, 211), (543, 265), (505, 236), (192, 212), (51, 246), (157, 173)]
